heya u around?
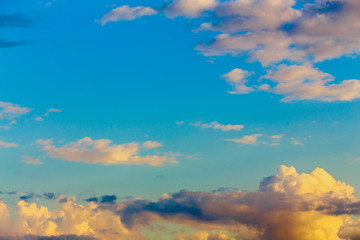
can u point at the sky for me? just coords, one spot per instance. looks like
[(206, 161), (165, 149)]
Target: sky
[(180, 119)]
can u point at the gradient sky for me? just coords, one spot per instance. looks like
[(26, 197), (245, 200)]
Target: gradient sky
[(141, 98)]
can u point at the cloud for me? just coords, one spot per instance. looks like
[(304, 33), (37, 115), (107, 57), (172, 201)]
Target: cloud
[(5, 127), (151, 144), (277, 136), (250, 139), (32, 160), (125, 12), (41, 118), (216, 125), (108, 199), (71, 221), (103, 152), (238, 78), (189, 8), (288, 205), (280, 34), (299, 82), (45, 141), (10, 110), (7, 145)]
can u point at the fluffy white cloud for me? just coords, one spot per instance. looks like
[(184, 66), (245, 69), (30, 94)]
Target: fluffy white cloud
[(103, 152), (11, 110), (299, 82), (237, 78), (7, 145), (70, 219), (251, 139), (216, 125), (189, 8), (126, 13)]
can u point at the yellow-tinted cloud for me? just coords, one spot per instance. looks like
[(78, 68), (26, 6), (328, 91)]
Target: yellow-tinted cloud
[(103, 152)]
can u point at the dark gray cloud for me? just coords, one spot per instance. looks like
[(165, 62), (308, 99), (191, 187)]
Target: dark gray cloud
[(108, 199)]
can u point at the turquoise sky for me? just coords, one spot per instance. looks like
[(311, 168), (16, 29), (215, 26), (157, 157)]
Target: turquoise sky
[(103, 98), (141, 80)]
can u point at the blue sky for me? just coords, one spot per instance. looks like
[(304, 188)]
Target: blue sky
[(74, 72)]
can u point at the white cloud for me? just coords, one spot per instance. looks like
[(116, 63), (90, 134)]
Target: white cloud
[(45, 141), (237, 78), (11, 110), (32, 160), (41, 118), (189, 8), (277, 136), (216, 125), (299, 82), (251, 139), (151, 144), (126, 13), (7, 145), (103, 152), (5, 127)]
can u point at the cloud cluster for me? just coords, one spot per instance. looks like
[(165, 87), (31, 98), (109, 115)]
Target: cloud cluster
[(51, 110), (103, 152), (71, 221), (289, 205), (285, 36)]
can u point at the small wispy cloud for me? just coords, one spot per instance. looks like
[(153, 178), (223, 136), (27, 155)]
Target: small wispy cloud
[(216, 125), (250, 139), (7, 145), (31, 160), (46, 114), (125, 13)]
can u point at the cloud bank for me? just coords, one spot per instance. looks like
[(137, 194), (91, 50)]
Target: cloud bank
[(288, 205)]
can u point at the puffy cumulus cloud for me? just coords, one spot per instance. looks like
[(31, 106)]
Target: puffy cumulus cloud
[(238, 79), (103, 152), (126, 13), (10, 110), (216, 125), (7, 145), (298, 82), (189, 8), (288, 205), (250, 139), (71, 221)]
